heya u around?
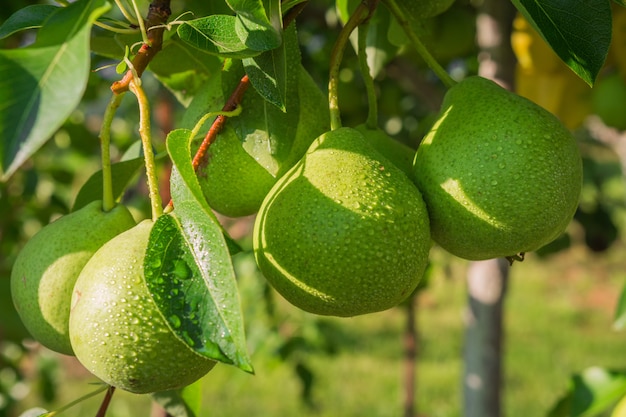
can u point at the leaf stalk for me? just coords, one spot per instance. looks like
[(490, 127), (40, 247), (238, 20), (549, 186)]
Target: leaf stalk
[(108, 199), (360, 15), (421, 49), (146, 139), (368, 80)]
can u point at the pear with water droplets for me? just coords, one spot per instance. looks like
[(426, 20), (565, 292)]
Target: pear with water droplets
[(395, 151), (500, 175), (47, 267), (344, 232), (116, 329)]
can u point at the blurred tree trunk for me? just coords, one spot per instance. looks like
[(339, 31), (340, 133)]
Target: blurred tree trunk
[(487, 280), (410, 356), (482, 380)]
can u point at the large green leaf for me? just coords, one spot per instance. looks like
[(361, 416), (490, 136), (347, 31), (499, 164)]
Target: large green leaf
[(258, 27), (43, 83), (189, 270), (579, 31), (272, 74), (216, 34), (30, 17), (591, 392), (268, 75)]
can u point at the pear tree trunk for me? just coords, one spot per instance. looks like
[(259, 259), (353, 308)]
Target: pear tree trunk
[(482, 380)]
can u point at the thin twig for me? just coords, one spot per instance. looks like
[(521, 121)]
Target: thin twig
[(418, 45), (368, 80), (360, 15), (146, 139), (105, 402), (108, 199), (231, 104)]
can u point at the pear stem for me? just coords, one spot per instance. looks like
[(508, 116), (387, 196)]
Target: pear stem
[(418, 45), (78, 400), (361, 14), (368, 80), (108, 200), (146, 139)]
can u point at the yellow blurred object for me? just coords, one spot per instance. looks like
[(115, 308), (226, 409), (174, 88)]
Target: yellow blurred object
[(620, 408), (533, 53), (543, 77)]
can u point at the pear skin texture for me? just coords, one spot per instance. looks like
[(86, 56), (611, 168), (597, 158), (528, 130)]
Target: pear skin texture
[(233, 183), (344, 232), (500, 174), (397, 152), (116, 329), (46, 269)]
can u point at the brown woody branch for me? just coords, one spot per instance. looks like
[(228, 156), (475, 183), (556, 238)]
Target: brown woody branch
[(218, 124), (158, 13), (105, 402)]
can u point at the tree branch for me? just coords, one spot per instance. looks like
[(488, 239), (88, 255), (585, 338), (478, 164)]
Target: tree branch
[(158, 13)]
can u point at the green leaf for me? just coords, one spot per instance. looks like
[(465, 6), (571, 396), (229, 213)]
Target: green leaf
[(620, 312), (579, 31), (29, 17), (257, 37), (121, 173), (189, 270), (215, 34), (268, 75), (42, 84), (185, 402), (591, 392), (258, 28), (268, 72)]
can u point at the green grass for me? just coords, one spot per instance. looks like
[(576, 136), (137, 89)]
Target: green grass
[(558, 316)]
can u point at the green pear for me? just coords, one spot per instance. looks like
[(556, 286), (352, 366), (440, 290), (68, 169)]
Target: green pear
[(397, 152), (233, 183), (47, 267), (344, 232), (499, 174), (116, 329), (258, 146)]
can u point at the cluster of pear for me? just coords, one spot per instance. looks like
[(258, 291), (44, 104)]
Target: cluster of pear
[(79, 288), (344, 229), (348, 229)]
